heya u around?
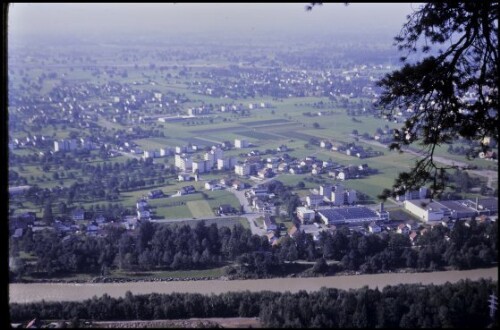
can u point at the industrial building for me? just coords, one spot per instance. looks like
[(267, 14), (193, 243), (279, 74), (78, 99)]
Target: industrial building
[(352, 215), (429, 210)]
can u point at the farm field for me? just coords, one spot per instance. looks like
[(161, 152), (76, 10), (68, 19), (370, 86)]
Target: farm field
[(200, 209), (297, 122)]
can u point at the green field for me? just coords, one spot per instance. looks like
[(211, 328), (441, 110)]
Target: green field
[(284, 123), (200, 209)]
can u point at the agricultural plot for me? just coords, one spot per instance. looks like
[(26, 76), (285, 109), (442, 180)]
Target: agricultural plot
[(266, 122), (259, 135), (198, 141), (216, 131), (152, 143), (298, 135), (173, 212), (200, 209), (217, 198)]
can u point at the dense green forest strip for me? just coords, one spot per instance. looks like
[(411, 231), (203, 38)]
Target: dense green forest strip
[(463, 304)]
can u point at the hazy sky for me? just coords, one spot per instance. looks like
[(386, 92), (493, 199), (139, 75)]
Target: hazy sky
[(66, 19)]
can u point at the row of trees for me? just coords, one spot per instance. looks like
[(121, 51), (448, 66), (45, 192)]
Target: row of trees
[(463, 304), (156, 247), (464, 247)]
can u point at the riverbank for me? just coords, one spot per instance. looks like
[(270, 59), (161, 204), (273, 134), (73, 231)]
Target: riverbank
[(25, 293)]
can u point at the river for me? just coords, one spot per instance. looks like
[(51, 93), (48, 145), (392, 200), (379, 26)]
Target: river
[(25, 293)]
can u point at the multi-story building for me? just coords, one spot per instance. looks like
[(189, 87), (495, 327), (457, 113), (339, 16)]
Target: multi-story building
[(242, 169), (65, 145), (338, 195), (226, 163), (182, 162), (201, 166), (305, 215), (240, 143)]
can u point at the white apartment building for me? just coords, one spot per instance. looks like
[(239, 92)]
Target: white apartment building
[(240, 143), (242, 169), (184, 163)]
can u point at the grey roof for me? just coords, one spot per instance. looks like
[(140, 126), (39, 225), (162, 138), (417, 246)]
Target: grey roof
[(348, 213)]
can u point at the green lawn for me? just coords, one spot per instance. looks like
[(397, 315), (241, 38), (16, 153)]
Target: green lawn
[(200, 209)]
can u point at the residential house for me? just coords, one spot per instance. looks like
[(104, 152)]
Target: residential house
[(293, 232), (325, 144), (225, 182), (225, 209), (282, 148), (305, 215), (141, 203), (211, 184), (92, 229), (271, 237), (265, 173), (403, 229), (143, 214), (413, 236), (157, 193), (269, 223), (295, 170), (186, 190), (100, 219), (283, 167), (78, 214), (343, 174), (259, 191), (314, 200), (238, 185), (258, 204), (184, 177)]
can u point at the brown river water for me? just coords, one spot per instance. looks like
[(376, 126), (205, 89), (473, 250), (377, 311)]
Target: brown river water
[(24, 293)]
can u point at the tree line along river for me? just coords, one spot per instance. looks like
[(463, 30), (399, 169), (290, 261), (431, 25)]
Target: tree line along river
[(26, 293)]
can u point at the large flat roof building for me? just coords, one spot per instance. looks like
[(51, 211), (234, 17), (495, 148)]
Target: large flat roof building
[(429, 210), (349, 215)]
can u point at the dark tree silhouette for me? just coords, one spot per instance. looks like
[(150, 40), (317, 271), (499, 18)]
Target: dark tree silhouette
[(460, 40), (452, 91)]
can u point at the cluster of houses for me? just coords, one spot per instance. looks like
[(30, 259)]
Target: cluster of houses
[(309, 164), (219, 184), (258, 197), (18, 224), (353, 150), (334, 195), (29, 141), (143, 210), (358, 81)]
